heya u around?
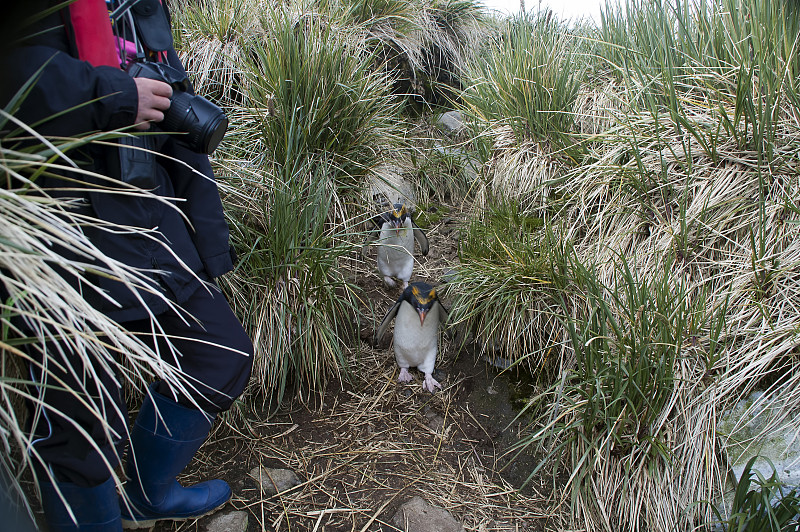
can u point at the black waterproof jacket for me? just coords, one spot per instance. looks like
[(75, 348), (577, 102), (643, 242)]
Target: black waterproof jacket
[(188, 232)]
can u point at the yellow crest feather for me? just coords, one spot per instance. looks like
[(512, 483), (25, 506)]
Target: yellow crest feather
[(423, 299)]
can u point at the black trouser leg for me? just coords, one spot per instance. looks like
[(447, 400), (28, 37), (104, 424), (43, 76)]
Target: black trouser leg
[(219, 374)]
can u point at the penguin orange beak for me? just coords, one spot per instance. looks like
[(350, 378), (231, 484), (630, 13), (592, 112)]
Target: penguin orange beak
[(422, 314)]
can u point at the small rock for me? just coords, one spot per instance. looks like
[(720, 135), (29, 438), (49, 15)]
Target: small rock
[(417, 515), (449, 275), (228, 522), (471, 171), (450, 122), (436, 423), (274, 481), (501, 363)]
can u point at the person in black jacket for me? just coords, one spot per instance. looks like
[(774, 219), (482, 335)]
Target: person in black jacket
[(186, 247)]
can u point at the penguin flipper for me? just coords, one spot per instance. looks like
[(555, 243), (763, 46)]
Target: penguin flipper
[(421, 238), (372, 234), (387, 320), (444, 314)]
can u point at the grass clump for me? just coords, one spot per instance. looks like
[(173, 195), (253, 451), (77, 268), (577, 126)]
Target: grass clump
[(527, 80), (288, 287), (214, 38), (323, 98), (503, 289), (611, 415)]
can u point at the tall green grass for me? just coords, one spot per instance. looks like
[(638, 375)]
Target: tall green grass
[(738, 59), (527, 79), (289, 287), (214, 38), (505, 289), (610, 416), (760, 503), (678, 296), (323, 100)]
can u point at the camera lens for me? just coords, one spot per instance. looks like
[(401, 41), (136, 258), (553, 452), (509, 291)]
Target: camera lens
[(205, 124), (199, 123)]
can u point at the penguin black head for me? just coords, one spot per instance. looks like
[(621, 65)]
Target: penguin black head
[(422, 297), (397, 216)]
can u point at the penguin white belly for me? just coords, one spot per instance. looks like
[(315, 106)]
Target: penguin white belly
[(396, 252), (415, 345)]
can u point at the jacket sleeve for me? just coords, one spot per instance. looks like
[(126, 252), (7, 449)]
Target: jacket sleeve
[(202, 205), (69, 96), (203, 208)]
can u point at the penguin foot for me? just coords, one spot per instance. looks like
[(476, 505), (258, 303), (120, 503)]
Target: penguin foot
[(389, 282), (404, 376), (430, 384)]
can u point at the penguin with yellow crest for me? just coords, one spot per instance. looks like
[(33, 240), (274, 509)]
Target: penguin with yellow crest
[(396, 233), (418, 313)]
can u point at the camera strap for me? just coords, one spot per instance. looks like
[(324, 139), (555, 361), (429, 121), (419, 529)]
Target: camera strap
[(91, 33), (152, 25)]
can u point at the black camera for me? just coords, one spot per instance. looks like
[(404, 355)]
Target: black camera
[(201, 124)]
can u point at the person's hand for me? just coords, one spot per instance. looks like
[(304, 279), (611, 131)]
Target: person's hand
[(154, 98)]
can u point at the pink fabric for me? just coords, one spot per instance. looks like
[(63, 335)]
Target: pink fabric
[(129, 48)]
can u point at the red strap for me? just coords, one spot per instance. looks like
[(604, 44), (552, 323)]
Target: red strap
[(93, 34)]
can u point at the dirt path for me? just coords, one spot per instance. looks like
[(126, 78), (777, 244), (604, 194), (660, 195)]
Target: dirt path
[(372, 445)]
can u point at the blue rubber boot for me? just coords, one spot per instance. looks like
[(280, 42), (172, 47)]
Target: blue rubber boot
[(163, 442), (95, 509)]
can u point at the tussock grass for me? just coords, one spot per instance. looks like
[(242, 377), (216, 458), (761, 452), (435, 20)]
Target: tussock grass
[(526, 79), (289, 288), (679, 294), (329, 102), (505, 289), (214, 39), (761, 503)]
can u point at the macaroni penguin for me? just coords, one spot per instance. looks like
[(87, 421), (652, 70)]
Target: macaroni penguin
[(419, 313), (396, 233)]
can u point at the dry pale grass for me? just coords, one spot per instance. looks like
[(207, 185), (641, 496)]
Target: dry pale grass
[(369, 447), (653, 192)]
